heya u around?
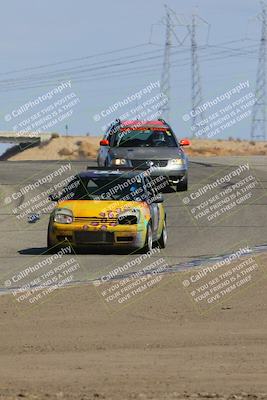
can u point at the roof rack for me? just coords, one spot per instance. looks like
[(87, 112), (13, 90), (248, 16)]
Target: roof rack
[(114, 126)]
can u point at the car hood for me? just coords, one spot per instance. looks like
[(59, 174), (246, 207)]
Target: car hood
[(99, 208), (146, 153)]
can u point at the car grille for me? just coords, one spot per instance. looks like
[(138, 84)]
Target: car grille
[(96, 220), (94, 237), (146, 163)]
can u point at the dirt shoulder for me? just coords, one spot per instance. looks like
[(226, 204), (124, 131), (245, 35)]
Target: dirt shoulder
[(158, 348)]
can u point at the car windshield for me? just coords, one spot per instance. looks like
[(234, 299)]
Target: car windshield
[(105, 188), (144, 138)]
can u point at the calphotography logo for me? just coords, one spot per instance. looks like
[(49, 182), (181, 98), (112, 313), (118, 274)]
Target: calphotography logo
[(133, 200)]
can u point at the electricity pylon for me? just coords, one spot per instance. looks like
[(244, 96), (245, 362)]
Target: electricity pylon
[(197, 99), (172, 20), (165, 84), (258, 127)]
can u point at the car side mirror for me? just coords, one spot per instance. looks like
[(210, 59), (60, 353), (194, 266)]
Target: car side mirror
[(158, 198), (184, 142), (104, 142)]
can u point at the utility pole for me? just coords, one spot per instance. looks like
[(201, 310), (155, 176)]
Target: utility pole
[(165, 84), (197, 99), (258, 127), (172, 21)]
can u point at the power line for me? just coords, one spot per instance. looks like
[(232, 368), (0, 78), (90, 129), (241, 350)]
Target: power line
[(74, 59), (99, 71), (95, 66)]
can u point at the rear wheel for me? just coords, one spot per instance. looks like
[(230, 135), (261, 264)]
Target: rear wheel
[(163, 237)]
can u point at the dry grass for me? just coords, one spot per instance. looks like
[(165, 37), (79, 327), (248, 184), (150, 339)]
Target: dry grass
[(62, 148), (209, 148), (86, 147)]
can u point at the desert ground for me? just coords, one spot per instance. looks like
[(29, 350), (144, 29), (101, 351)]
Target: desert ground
[(159, 346), (84, 147)]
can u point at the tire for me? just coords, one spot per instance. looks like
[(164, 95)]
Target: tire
[(50, 248), (182, 186), (163, 237), (149, 239), (53, 249)]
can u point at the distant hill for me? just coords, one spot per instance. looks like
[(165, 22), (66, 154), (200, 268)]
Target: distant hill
[(85, 147), (61, 148)]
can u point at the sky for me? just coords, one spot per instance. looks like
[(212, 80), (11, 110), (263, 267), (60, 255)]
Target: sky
[(103, 48)]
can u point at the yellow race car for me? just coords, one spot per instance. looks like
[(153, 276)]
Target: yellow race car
[(106, 207)]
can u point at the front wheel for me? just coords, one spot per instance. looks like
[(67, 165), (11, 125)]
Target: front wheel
[(149, 239), (183, 185), (50, 247), (163, 237)]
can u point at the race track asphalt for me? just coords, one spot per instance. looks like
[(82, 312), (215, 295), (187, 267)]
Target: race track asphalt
[(171, 344), (22, 243)]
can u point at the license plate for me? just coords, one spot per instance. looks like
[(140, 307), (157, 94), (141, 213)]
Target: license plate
[(94, 237)]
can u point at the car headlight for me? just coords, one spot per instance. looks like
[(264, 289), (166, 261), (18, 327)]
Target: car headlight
[(63, 216), (176, 161), (119, 161), (129, 217)]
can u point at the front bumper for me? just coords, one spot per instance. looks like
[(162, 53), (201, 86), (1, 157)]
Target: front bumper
[(122, 236), (173, 174)]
